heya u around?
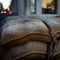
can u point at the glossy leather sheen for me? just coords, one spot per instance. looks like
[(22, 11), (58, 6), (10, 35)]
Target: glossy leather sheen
[(23, 30)]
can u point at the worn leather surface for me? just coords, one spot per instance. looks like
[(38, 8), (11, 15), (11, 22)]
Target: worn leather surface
[(30, 35), (21, 30), (30, 48), (54, 25), (57, 50)]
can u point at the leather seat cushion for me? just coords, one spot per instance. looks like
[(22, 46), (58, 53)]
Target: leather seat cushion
[(24, 29), (28, 49)]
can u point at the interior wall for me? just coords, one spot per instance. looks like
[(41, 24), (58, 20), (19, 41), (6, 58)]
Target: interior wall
[(14, 6), (58, 8), (21, 8)]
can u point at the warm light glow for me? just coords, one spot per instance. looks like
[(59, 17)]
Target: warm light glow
[(44, 2), (5, 3)]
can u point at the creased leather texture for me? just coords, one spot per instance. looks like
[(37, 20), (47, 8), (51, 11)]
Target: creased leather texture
[(23, 30), (24, 36), (54, 26), (57, 51), (24, 50)]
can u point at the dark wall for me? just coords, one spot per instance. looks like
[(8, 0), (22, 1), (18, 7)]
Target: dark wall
[(14, 6)]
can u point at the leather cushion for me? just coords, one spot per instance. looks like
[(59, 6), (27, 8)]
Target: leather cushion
[(54, 25), (24, 50), (24, 30), (57, 49)]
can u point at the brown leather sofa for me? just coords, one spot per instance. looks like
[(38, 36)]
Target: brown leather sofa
[(54, 25), (29, 38)]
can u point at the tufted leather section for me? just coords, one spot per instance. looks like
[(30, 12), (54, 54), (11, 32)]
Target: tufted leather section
[(23, 30)]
